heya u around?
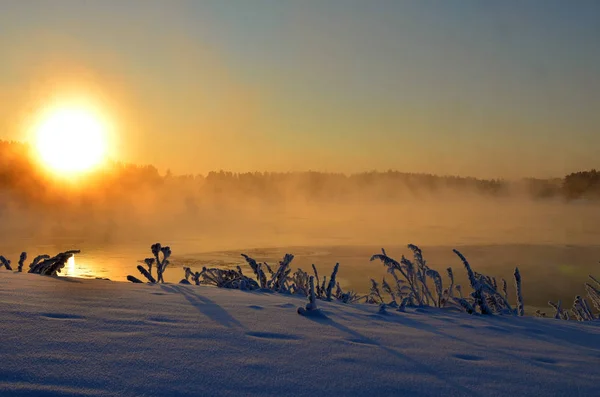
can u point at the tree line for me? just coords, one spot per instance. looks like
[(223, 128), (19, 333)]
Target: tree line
[(22, 176)]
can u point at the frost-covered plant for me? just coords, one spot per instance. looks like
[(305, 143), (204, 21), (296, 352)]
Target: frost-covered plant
[(388, 290), (485, 295), (280, 280), (559, 312), (594, 293), (311, 306), (520, 304), (300, 282), (409, 285), (466, 305), (374, 294), (37, 260), (421, 272), (412, 287), (451, 277), (332, 282), (224, 278), (539, 313), (478, 298), (51, 266), (312, 301), (195, 276), (419, 285), (437, 280), (147, 273), (404, 303), (161, 265), (481, 300), (581, 310), (5, 262), (134, 280), (257, 269), (41, 264), (22, 260), (348, 297)]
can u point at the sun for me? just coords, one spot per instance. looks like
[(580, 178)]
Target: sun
[(71, 140)]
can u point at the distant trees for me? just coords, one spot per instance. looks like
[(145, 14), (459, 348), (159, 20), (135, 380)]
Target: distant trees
[(584, 184), (23, 178), (317, 186), (18, 172)]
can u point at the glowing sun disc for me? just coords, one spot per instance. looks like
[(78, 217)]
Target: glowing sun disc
[(71, 140)]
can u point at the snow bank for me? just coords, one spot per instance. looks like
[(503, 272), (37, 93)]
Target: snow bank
[(71, 337)]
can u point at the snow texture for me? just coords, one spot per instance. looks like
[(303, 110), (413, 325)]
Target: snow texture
[(78, 337)]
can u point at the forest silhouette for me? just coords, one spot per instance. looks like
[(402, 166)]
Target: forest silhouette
[(23, 179)]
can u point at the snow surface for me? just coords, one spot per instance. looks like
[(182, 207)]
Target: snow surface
[(70, 337)]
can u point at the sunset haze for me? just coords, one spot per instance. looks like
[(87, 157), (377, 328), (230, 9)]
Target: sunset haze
[(489, 89)]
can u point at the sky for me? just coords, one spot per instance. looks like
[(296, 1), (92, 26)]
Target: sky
[(480, 88)]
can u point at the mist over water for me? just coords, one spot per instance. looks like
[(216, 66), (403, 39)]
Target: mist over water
[(554, 243)]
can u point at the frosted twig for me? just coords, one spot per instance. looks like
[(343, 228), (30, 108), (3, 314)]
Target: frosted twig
[(451, 287), (146, 274), (332, 282), (520, 304), (22, 260), (5, 262), (311, 306), (557, 307)]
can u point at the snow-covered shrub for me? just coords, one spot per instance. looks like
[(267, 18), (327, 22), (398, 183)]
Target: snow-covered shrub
[(581, 310), (485, 295), (258, 271), (267, 278), (41, 264), (300, 283), (51, 266), (412, 287), (161, 265), (594, 293), (224, 278), (419, 285), (413, 283), (22, 260), (37, 260), (195, 276), (279, 281), (374, 296), (348, 297), (229, 278), (5, 262)]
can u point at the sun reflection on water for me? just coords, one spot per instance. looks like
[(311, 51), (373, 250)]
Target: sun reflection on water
[(70, 265), (75, 268)]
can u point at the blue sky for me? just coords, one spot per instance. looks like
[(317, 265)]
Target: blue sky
[(482, 88)]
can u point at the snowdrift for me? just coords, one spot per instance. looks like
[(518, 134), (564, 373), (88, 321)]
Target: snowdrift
[(78, 337)]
